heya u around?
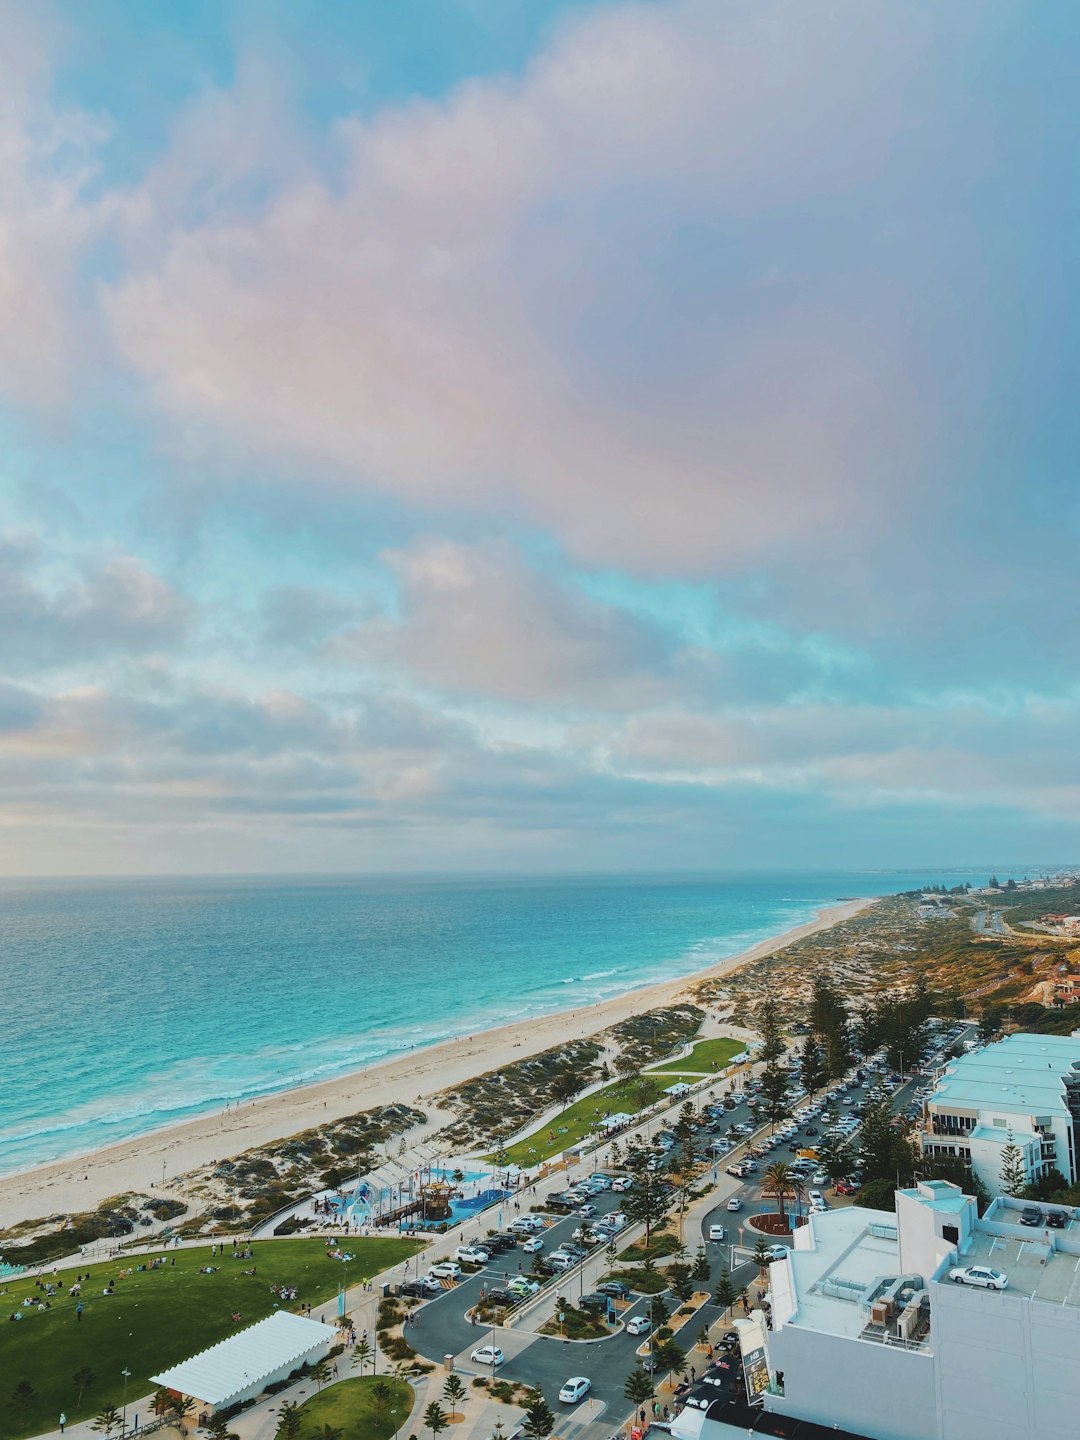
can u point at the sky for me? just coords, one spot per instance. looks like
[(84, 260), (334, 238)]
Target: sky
[(460, 435)]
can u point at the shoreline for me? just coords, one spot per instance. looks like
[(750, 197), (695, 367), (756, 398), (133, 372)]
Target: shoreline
[(59, 1186)]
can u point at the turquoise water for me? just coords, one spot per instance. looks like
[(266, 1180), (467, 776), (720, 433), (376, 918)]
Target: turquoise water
[(131, 1005)]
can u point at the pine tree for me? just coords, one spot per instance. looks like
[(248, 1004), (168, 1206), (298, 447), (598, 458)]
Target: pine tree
[(24, 1395), (289, 1422), (539, 1420), (811, 1066), (767, 1017), (453, 1392), (106, 1420), (724, 1294), (700, 1271), (83, 1380), (1013, 1174), (639, 1385), (435, 1418)]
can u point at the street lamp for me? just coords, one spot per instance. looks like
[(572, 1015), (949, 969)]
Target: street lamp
[(123, 1421)]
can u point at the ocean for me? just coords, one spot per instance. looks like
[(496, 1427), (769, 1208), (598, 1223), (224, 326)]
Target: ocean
[(134, 1004)]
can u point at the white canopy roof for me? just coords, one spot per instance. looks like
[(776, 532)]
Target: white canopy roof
[(234, 1366)]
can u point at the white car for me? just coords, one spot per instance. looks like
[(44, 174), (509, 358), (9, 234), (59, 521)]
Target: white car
[(574, 1389), (488, 1355), (716, 1232), (817, 1200), (601, 1182), (979, 1275), (639, 1325), (734, 1203), (621, 1182), (820, 1177), (532, 1245), (586, 1211), (472, 1254), (527, 1224), (445, 1270), (778, 1252)]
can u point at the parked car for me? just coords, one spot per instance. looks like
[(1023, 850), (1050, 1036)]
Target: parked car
[(488, 1355), (472, 1254), (499, 1242), (622, 1182), (595, 1301), (777, 1252), (522, 1286), (421, 1289), (638, 1325), (560, 1260), (846, 1187), (446, 1270), (533, 1245), (820, 1177), (1031, 1215), (1057, 1219), (575, 1389), (615, 1288), (530, 1224), (502, 1297), (817, 1200), (979, 1275)]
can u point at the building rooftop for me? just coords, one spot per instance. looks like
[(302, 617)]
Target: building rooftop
[(822, 1285), (1034, 1268), (1021, 1074), (939, 1195)]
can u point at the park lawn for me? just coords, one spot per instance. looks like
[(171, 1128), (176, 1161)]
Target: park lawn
[(706, 1057), (578, 1120), (349, 1407), (157, 1318)]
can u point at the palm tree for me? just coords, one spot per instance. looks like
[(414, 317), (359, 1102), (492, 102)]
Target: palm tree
[(780, 1178)]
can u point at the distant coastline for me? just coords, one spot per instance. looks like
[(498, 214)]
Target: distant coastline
[(79, 1182)]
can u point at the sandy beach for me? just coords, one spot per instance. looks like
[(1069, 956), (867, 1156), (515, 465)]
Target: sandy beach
[(80, 1183)]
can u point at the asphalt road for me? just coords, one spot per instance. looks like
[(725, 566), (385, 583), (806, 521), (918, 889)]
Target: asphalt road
[(546, 1362)]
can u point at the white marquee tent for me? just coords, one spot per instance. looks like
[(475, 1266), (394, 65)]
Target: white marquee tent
[(242, 1366)]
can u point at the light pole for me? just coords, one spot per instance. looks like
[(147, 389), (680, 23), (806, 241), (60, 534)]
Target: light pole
[(123, 1420)]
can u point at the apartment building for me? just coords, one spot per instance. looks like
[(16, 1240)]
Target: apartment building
[(1025, 1088), (870, 1335)]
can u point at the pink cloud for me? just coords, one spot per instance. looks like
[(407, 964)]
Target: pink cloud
[(413, 328)]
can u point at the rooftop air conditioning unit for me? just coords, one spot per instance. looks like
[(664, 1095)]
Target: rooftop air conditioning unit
[(879, 1312)]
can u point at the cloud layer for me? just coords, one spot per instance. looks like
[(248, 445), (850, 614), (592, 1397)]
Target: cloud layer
[(661, 450)]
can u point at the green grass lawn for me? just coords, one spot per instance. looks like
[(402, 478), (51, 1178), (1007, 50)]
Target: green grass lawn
[(155, 1319), (706, 1056), (581, 1119), (350, 1407)]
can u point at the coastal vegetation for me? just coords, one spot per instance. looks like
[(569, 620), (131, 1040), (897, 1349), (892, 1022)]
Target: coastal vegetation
[(707, 1056), (494, 1105), (157, 1317), (654, 1034)]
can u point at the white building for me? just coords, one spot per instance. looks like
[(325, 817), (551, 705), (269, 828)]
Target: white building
[(870, 1335), (1027, 1088)]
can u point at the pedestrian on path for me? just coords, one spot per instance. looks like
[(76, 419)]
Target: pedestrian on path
[(63, 1421)]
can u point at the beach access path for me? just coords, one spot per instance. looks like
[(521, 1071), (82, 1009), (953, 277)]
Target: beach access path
[(76, 1185)]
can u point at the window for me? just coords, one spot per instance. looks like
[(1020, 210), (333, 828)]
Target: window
[(950, 1233)]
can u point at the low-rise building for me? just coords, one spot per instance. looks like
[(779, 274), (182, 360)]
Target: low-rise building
[(1023, 1090)]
